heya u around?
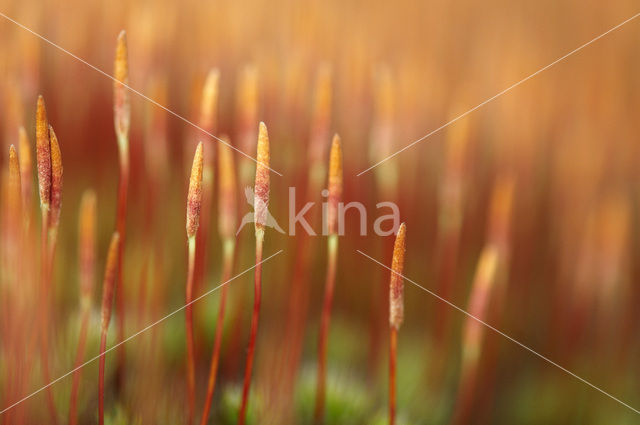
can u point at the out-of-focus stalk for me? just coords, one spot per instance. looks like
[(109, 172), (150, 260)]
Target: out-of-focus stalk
[(473, 332), (194, 205), (450, 218), (86, 265), (14, 202), (227, 212), (335, 195), (108, 286), (246, 117), (26, 170), (122, 123), (261, 201), (381, 146), (208, 121), (499, 238), (315, 173)]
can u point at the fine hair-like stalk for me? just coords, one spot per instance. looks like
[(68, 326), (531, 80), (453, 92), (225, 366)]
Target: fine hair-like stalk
[(86, 266), (122, 123), (396, 314), (226, 226), (107, 304), (261, 200), (194, 204), (482, 293), (335, 194)]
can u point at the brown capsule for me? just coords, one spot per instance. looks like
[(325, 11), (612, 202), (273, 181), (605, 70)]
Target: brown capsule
[(227, 192), (194, 196), (261, 187), (121, 101), (87, 245), (56, 179), (43, 154), (108, 284), (396, 285), (335, 184)]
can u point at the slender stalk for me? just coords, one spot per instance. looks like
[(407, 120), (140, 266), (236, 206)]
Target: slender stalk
[(26, 176), (208, 121), (191, 373), (229, 249), (324, 328), (396, 313), (335, 194), (122, 120), (393, 338), (482, 293), (194, 204), (108, 287), (254, 329), (226, 226), (86, 265), (103, 347), (45, 311), (75, 385), (261, 200), (314, 172), (11, 255)]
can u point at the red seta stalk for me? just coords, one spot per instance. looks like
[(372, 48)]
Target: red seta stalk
[(194, 204), (122, 122), (335, 194), (108, 287), (215, 356), (324, 329), (73, 400), (393, 342), (261, 200), (254, 331), (226, 227), (86, 252)]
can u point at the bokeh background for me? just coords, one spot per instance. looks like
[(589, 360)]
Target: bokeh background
[(546, 174)]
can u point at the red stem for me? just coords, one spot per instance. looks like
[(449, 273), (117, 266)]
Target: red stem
[(324, 334), (392, 375), (191, 373), (121, 226), (213, 370), (254, 331), (44, 316), (73, 417), (103, 346), (465, 396)]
